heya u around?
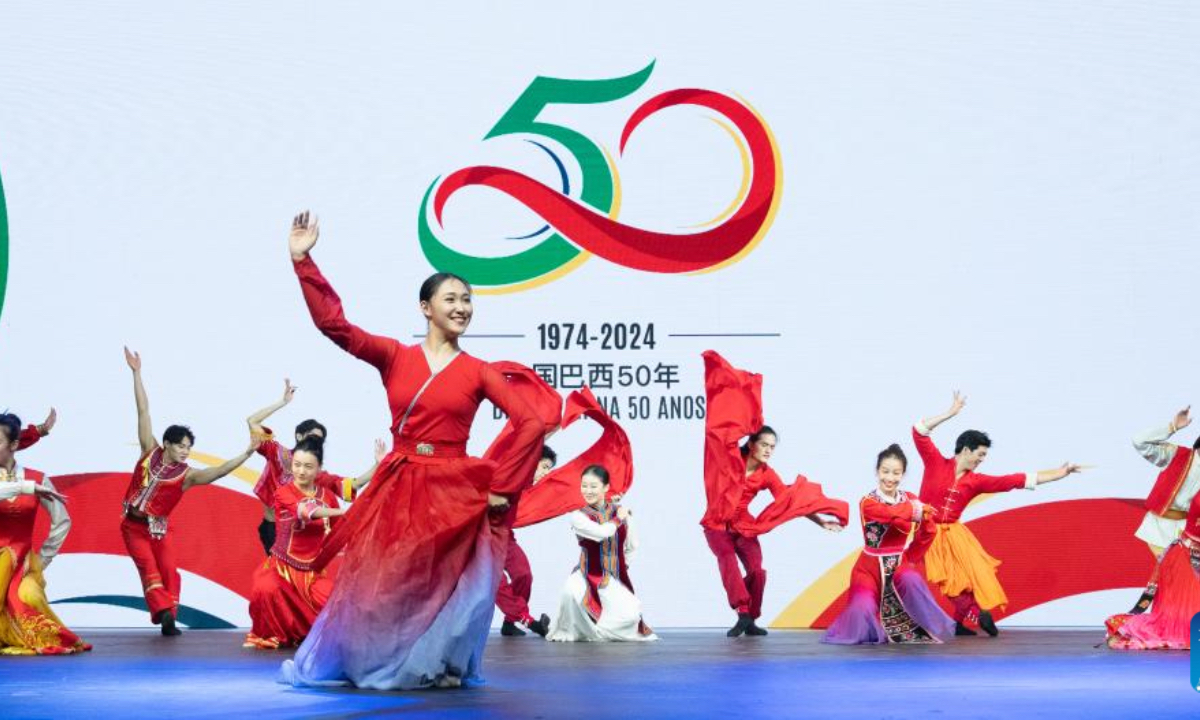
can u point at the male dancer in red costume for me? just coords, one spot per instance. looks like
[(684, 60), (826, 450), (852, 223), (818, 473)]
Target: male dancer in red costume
[(516, 583), (956, 562), (159, 480), (733, 477)]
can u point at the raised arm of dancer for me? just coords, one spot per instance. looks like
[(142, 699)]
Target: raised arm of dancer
[(31, 434), (60, 522), (212, 474), (10, 490), (324, 304), (255, 421), (145, 432), (1152, 444), (956, 405), (381, 451)]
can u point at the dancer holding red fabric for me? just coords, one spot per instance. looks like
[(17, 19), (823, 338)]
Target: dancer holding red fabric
[(734, 475), (425, 543)]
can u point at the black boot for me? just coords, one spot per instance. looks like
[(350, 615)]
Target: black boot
[(755, 631), (541, 626), (963, 631), (743, 624), (509, 629), (1143, 603), (168, 624), (988, 623)]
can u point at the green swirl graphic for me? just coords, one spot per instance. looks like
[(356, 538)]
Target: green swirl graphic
[(3, 247)]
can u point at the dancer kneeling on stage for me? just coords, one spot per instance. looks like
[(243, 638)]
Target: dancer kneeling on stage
[(277, 471), (159, 480), (1177, 599), (27, 624), (288, 593), (889, 600), (598, 601)]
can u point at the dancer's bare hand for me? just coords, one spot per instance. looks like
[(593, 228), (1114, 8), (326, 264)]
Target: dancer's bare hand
[(956, 405), (304, 234), (48, 424), (832, 525), (623, 513), (134, 360), (1183, 418), (289, 390), (381, 450)]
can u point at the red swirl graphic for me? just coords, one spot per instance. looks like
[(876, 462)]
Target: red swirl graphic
[(634, 247)]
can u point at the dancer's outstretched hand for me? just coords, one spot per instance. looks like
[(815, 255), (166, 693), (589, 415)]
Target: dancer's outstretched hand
[(381, 450), (832, 525), (957, 404), (1183, 418), (134, 360), (304, 234)]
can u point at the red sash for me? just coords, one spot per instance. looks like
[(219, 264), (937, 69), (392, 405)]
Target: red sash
[(1169, 481)]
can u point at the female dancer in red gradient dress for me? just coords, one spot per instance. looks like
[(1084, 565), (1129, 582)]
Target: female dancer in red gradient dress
[(734, 475), (426, 541), (889, 600), (1168, 624)]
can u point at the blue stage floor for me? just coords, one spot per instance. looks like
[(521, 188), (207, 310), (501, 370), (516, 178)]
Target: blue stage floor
[(688, 674)]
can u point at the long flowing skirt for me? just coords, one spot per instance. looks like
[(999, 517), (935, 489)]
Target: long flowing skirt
[(284, 603), (620, 618), (412, 605), (27, 624), (889, 602), (1168, 624), (957, 563)]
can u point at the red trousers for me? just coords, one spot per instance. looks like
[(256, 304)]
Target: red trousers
[(155, 561), (965, 607), (745, 593), (516, 583)]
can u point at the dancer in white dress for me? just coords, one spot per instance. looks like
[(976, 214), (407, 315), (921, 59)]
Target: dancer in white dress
[(598, 603)]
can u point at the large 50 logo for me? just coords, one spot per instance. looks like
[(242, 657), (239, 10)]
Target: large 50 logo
[(577, 228)]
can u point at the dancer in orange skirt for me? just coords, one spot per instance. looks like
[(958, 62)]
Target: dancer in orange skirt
[(956, 562)]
